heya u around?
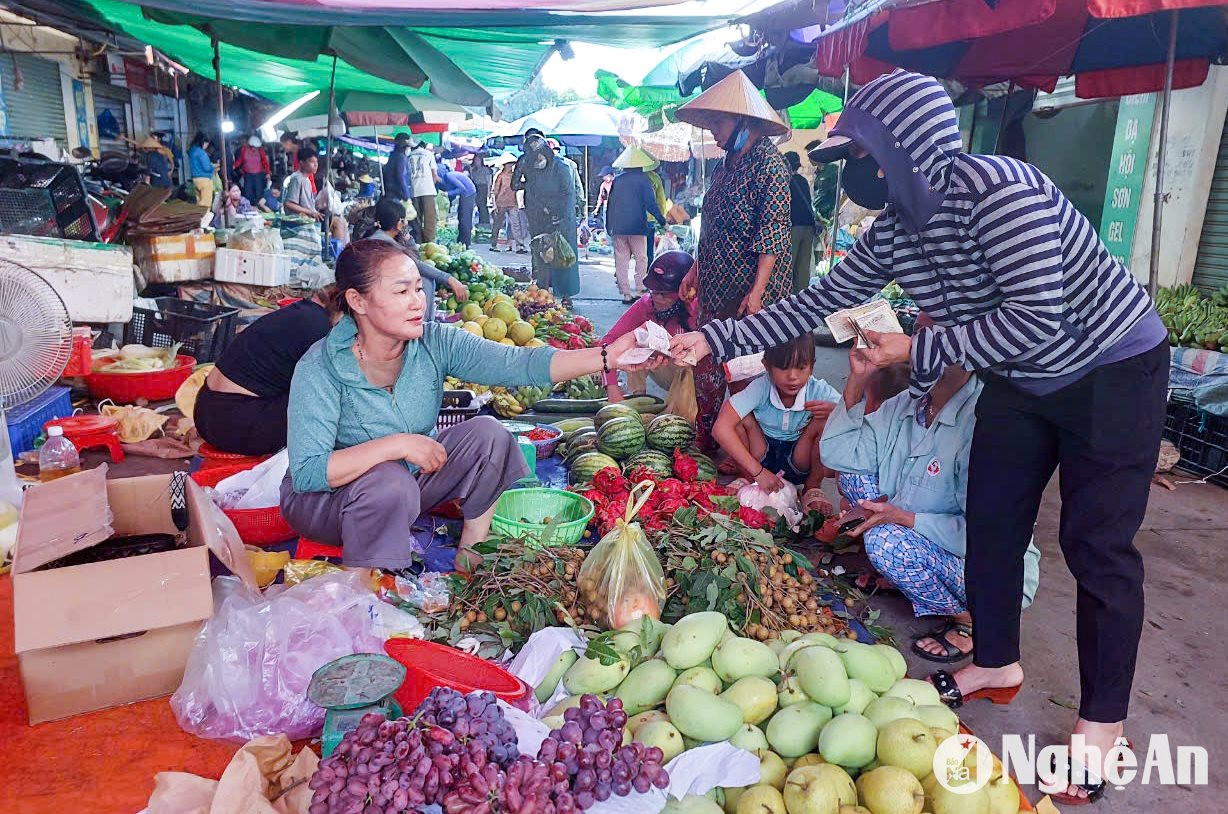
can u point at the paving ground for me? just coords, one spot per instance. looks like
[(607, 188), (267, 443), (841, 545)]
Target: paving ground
[(1180, 688)]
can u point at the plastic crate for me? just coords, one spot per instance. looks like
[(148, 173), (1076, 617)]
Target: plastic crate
[(26, 421), (251, 268), (458, 406), (1200, 437), (203, 329)]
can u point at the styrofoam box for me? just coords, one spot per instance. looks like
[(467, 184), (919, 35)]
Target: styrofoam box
[(252, 268), (93, 279)]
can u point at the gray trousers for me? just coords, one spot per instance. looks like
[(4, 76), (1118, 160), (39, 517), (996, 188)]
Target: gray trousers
[(370, 517)]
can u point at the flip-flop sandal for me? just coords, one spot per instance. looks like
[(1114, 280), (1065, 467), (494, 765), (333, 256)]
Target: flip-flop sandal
[(1095, 789), (948, 691), (950, 653)]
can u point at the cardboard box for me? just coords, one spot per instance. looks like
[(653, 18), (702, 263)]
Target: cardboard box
[(99, 635), (175, 258), (93, 279)]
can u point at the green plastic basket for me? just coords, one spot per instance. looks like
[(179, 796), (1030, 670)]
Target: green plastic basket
[(523, 513)]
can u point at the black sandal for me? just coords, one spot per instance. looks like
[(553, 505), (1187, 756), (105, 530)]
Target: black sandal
[(949, 692), (1095, 790), (950, 654)]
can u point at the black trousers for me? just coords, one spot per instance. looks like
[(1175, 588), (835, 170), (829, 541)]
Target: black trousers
[(482, 202), (1102, 435), (244, 425), (464, 220)]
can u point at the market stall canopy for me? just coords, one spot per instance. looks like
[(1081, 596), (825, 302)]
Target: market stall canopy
[(365, 109), (575, 120), (275, 47), (1111, 48)]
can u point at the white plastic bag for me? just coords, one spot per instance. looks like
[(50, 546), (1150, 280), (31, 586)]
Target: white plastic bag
[(249, 669), (256, 488)]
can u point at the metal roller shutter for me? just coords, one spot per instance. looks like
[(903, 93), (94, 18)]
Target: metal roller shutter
[(1211, 266), (37, 110)]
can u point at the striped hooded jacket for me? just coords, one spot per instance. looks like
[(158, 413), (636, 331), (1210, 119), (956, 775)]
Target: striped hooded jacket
[(1015, 278)]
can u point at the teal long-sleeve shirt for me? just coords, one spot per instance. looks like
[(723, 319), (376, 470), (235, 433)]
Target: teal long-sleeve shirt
[(920, 469), (333, 406)]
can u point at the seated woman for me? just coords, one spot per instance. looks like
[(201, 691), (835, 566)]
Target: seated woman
[(905, 468), (663, 306), (391, 226), (365, 459), (242, 406)]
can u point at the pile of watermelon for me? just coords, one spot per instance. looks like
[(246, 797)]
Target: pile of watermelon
[(620, 439)]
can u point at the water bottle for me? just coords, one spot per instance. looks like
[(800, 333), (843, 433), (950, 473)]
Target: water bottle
[(10, 484), (58, 457)]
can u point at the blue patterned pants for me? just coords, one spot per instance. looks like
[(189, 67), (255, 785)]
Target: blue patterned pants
[(930, 576)]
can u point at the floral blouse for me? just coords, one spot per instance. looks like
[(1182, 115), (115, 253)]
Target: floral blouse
[(746, 214)]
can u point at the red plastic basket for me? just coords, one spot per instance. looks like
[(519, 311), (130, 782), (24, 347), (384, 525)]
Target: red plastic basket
[(429, 665), (128, 388), (257, 527), (212, 457)]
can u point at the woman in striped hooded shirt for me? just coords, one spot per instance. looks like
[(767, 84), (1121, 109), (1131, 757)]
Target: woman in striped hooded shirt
[(1073, 357)]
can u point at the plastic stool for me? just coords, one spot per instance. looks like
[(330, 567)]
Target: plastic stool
[(310, 550), (212, 457), (91, 432)]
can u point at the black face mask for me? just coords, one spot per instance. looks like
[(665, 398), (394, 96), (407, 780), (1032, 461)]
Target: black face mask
[(863, 184), (676, 311)]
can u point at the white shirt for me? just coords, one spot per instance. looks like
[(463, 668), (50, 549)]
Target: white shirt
[(421, 169)]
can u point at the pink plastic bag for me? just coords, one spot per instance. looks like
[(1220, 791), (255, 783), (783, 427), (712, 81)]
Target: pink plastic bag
[(248, 672)]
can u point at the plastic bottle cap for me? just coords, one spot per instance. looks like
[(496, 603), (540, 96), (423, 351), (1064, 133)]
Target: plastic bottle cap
[(55, 432)]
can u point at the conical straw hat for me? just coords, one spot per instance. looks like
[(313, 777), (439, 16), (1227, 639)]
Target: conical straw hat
[(732, 95), (633, 157)]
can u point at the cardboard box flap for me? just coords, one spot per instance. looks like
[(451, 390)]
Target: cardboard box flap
[(62, 516), (210, 525)]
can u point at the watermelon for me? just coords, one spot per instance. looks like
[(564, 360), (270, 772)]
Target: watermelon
[(667, 433), (707, 467), (577, 448), (588, 464), (621, 437), (611, 411), (658, 463)]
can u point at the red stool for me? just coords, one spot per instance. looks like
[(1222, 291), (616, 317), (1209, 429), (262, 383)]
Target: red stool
[(89, 432), (310, 550), (212, 457)]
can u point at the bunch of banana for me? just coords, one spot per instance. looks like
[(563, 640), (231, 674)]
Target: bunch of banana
[(506, 405), (528, 396), (1194, 321), (585, 387)]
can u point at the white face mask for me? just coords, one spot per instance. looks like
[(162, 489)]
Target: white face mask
[(253, 142)]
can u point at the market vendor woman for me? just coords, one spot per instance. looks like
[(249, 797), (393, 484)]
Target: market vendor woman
[(365, 459), (1072, 355)]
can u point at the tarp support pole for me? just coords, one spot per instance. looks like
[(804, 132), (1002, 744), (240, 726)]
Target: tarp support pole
[(1157, 215), (221, 117), (181, 126), (328, 141), (834, 229)]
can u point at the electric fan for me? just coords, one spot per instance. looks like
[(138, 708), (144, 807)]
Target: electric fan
[(35, 335)]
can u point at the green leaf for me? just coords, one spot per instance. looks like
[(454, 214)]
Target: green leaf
[(711, 593), (726, 503), (689, 563), (603, 651), (799, 560), (730, 572)]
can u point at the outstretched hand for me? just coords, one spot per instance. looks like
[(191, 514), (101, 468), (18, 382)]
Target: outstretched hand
[(689, 348), (887, 349)]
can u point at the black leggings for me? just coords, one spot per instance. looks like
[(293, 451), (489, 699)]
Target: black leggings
[(244, 425), (1102, 434)]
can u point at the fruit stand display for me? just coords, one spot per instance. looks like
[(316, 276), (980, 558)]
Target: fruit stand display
[(1193, 319)]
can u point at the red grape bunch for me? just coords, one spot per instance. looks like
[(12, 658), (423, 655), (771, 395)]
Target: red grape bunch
[(387, 767), (589, 746)]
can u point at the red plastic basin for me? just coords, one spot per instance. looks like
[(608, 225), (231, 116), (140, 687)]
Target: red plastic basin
[(429, 665)]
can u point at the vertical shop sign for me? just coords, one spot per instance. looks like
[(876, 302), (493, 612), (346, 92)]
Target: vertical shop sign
[(83, 124), (1127, 169)]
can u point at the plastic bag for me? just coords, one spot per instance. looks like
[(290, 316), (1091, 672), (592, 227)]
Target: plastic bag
[(249, 668), (256, 488), (621, 577), (554, 251)]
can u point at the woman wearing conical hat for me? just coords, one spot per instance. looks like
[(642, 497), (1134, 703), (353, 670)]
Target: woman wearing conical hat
[(632, 201), (743, 260)]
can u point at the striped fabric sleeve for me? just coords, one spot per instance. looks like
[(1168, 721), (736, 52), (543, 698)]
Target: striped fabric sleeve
[(1017, 229), (860, 275)]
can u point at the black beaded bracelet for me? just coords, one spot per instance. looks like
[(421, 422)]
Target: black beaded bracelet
[(605, 360)]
